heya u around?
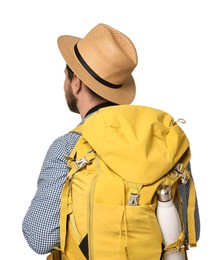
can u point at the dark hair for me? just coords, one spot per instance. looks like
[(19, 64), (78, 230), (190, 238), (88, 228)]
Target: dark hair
[(90, 91), (69, 72), (93, 94)]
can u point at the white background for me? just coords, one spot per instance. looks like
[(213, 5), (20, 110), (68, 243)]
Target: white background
[(178, 71)]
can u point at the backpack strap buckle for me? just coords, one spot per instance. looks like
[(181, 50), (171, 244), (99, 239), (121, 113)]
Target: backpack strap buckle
[(82, 162), (77, 165), (135, 189), (179, 169)]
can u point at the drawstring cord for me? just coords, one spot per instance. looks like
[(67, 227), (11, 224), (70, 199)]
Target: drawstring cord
[(124, 216), (123, 221)]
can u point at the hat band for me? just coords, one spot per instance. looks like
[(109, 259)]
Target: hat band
[(91, 72)]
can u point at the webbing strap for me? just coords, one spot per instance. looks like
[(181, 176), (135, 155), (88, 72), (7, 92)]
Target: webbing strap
[(190, 213), (177, 245), (63, 214), (76, 165), (66, 210), (55, 254), (66, 199), (76, 233), (184, 175), (73, 152), (77, 129), (135, 188)]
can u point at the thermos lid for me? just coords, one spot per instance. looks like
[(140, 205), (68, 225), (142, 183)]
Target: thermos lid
[(164, 193)]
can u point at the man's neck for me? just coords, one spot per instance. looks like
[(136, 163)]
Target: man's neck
[(97, 107)]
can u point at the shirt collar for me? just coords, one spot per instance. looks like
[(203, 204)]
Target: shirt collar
[(97, 107)]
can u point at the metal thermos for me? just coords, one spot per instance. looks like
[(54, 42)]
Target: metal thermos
[(169, 221)]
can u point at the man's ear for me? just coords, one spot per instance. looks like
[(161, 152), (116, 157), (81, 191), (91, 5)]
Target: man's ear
[(76, 85)]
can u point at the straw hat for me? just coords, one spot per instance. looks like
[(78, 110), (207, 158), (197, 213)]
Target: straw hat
[(104, 60)]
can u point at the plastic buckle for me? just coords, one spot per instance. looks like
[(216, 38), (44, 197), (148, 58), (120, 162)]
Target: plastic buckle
[(133, 201), (180, 169), (184, 178), (81, 162)]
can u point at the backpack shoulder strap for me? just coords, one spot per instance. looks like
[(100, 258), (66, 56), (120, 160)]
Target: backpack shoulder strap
[(191, 214), (87, 155), (78, 128)]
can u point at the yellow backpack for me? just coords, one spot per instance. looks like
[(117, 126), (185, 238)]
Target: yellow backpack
[(108, 203)]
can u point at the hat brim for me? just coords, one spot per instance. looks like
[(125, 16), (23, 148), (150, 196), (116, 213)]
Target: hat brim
[(123, 95)]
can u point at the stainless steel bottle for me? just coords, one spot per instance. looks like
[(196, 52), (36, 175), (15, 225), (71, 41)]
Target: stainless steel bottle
[(169, 221)]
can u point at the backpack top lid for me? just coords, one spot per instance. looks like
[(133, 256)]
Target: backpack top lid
[(138, 143)]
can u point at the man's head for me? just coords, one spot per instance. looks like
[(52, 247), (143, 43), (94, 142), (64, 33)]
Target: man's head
[(103, 61), (71, 82)]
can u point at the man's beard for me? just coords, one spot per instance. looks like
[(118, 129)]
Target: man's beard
[(71, 101)]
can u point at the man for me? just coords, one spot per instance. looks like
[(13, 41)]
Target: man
[(98, 75)]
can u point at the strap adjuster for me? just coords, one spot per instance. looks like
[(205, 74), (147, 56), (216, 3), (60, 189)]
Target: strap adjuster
[(76, 165)]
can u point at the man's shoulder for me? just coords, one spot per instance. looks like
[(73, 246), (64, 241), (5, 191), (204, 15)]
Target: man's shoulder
[(68, 137), (64, 143)]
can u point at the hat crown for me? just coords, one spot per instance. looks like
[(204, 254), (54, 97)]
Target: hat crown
[(109, 53), (104, 60)]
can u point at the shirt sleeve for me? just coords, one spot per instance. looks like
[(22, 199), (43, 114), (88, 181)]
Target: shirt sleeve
[(41, 223)]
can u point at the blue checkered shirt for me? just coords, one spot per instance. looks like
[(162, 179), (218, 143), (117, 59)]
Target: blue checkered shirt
[(41, 222)]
